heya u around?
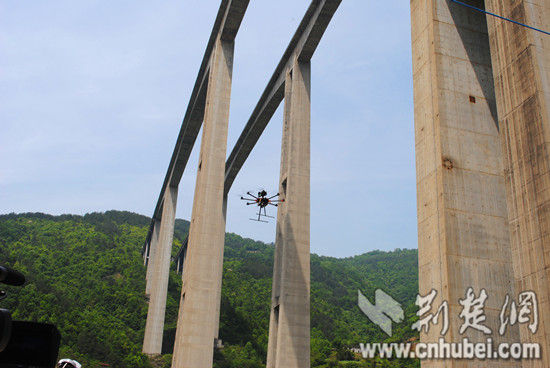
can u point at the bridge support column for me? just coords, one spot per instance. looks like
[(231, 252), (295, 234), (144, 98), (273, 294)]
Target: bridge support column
[(199, 311), (158, 278), (463, 236), (289, 328), (521, 69), (149, 255)]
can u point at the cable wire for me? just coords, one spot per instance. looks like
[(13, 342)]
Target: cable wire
[(500, 17)]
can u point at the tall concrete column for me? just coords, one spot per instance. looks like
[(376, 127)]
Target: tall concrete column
[(152, 246), (289, 329), (199, 311), (220, 267), (146, 255), (158, 289), (521, 69), (462, 217)]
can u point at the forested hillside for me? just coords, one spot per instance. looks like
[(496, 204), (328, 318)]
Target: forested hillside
[(86, 275)]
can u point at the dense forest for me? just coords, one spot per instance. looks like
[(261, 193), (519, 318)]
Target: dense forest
[(85, 274)]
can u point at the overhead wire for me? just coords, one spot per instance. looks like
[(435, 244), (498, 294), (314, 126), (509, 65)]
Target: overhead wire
[(500, 17)]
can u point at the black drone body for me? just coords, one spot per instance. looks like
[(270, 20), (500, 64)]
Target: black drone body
[(262, 201)]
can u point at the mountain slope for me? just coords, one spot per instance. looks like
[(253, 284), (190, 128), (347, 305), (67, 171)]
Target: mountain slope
[(86, 275)]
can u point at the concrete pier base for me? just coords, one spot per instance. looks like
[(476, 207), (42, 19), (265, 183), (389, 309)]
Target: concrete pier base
[(202, 273), (158, 278), (289, 328)]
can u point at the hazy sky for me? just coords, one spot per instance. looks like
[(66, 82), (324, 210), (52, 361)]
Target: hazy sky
[(93, 92)]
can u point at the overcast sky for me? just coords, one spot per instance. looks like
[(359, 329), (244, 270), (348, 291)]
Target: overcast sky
[(93, 92)]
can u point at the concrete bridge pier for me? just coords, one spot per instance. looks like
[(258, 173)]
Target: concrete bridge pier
[(149, 255), (157, 282), (289, 328), (463, 235), (482, 128), (199, 311), (521, 69)]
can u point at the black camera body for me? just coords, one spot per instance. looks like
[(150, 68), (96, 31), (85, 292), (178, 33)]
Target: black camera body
[(8, 276), (25, 344), (31, 345), (5, 328)]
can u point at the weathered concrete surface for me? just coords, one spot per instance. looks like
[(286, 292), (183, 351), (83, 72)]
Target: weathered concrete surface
[(289, 329), (462, 216), (160, 265), (202, 274), (521, 67)]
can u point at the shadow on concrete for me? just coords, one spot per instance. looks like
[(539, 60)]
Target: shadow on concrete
[(290, 258), (475, 53)]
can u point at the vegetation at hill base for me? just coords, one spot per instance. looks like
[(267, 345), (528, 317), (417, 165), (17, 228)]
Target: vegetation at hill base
[(85, 274)]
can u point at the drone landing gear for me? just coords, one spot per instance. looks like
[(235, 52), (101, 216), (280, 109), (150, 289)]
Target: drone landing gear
[(257, 220), (260, 215)]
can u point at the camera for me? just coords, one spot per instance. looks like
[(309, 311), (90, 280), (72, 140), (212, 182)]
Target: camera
[(5, 328), (25, 344)]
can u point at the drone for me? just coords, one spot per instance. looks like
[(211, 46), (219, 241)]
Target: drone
[(262, 201)]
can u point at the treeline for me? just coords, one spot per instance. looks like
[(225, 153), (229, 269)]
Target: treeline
[(86, 275)]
